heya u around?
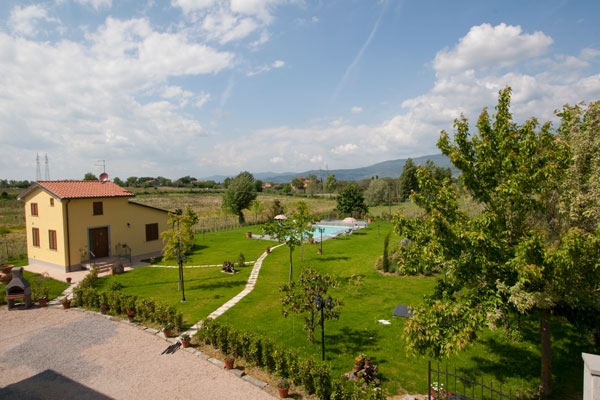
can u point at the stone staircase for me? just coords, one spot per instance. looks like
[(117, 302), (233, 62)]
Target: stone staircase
[(104, 265)]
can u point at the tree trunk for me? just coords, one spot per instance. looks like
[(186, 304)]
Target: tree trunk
[(546, 375), (241, 219), (291, 274), (302, 249)]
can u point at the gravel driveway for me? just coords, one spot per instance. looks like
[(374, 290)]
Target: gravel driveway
[(50, 353)]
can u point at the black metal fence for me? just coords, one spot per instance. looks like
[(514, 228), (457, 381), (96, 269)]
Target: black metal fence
[(445, 385)]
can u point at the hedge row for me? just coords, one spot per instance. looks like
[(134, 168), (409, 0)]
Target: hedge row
[(118, 303), (314, 376)]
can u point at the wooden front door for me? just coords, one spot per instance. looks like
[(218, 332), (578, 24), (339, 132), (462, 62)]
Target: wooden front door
[(99, 242)]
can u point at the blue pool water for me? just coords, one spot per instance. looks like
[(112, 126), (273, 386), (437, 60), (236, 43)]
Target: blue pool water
[(329, 229)]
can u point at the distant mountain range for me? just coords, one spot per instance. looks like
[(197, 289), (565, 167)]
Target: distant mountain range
[(391, 169)]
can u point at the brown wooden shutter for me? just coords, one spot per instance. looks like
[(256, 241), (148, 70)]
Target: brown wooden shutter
[(151, 232), (35, 236)]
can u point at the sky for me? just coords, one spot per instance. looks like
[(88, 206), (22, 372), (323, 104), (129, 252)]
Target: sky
[(206, 87)]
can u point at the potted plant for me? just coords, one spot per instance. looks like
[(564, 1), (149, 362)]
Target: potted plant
[(319, 251), (66, 303), (69, 279), (249, 235), (130, 315), (103, 308), (42, 295), (268, 250), (283, 387), (185, 340), (229, 361), (359, 362), (167, 328)]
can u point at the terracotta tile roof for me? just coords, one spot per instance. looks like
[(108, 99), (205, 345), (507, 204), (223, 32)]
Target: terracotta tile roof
[(82, 189)]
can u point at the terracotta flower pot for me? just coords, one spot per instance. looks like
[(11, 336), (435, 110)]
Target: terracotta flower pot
[(370, 220), (268, 250), (103, 309), (283, 392), (185, 343), (357, 367), (66, 304), (69, 279), (229, 363), (42, 302), (249, 235), (167, 333), (130, 315)]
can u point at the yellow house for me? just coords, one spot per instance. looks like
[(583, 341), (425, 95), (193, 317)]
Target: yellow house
[(70, 222)]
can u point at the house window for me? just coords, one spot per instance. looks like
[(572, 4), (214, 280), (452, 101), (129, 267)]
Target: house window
[(34, 209), (51, 202), (52, 240), (35, 235), (98, 208), (151, 232)]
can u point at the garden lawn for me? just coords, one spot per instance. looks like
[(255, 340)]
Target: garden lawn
[(213, 248), (370, 296), (55, 287), (206, 289)]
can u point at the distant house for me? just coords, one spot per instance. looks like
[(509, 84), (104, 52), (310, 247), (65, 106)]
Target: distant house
[(69, 222), (268, 185)]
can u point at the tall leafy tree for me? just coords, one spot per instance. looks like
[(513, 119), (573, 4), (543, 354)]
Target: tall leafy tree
[(239, 194), (90, 177), (351, 200), (302, 221), (330, 183), (297, 184), (377, 193), (512, 258), (299, 298), (285, 231), (408, 180)]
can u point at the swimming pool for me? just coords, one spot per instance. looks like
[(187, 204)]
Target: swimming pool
[(328, 230)]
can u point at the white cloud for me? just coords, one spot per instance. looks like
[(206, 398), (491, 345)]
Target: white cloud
[(343, 149), (202, 99), (276, 160), (264, 38), (88, 100), (415, 128), (266, 68), (356, 110), (486, 46), (188, 6), (97, 4), (24, 20)]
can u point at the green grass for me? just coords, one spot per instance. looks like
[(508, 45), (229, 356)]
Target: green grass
[(351, 258), (206, 289), (513, 364), (55, 287), (215, 248)]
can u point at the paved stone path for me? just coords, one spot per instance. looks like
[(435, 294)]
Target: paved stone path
[(194, 266), (249, 288)]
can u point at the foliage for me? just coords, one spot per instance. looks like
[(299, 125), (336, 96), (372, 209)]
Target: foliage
[(330, 184), (355, 390), (39, 287), (351, 200), (257, 207), (299, 298), (285, 231), (302, 220), (90, 177), (297, 184), (377, 193), (263, 353), (407, 183), (179, 240), (513, 257), (241, 261), (275, 209), (386, 258), (240, 192), (118, 303)]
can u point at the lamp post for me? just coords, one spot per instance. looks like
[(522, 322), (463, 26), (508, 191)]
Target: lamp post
[(321, 230), (321, 305)]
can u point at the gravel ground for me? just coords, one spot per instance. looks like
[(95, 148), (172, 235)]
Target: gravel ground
[(50, 353)]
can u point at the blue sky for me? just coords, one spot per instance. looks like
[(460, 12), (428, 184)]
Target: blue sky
[(203, 87)]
